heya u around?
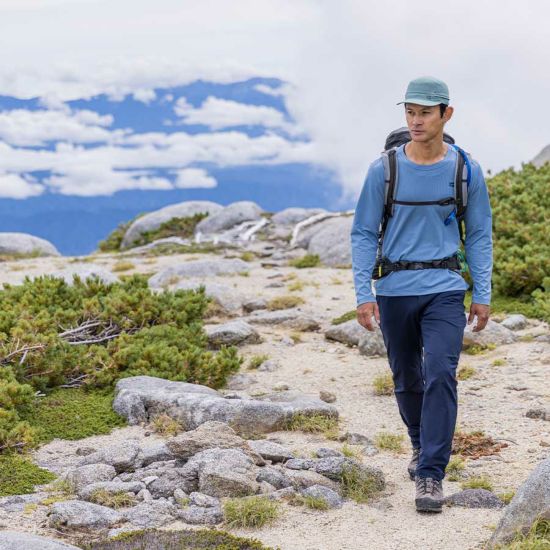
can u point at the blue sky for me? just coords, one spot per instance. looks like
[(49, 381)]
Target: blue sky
[(100, 97)]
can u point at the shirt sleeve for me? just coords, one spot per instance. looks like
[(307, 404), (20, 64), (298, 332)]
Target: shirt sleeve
[(478, 243), (364, 231)]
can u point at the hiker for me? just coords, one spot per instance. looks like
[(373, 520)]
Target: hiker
[(406, 237)]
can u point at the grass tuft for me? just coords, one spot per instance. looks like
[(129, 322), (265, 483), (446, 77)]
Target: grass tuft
[(478, 482), (358, 484), (383, 384), (455, 468), (119, 499), (165, 425), (465, 372), (284, 302), (389, 442), (309, 260), (254, 511), (314, 423)]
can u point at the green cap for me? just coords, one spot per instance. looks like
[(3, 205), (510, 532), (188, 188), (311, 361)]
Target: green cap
[(426, 90)]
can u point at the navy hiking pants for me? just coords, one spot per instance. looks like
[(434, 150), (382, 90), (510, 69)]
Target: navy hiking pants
[(423, 337)]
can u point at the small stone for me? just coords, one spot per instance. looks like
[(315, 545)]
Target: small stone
[(330, 497), (475, 498), (281, 386), (327, 396), (323, 452), (541, 414), (300, 463)]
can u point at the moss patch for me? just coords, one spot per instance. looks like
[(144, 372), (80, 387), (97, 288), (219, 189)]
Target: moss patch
[(309, 260), (18, 475), (187, 539), (73, 414)]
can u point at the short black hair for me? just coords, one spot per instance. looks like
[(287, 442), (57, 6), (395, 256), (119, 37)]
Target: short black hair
[(442, 108)]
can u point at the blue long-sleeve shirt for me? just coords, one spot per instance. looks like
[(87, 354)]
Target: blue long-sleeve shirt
[(418, 232)]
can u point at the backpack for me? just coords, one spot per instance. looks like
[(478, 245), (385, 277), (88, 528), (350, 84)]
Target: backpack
[(463, 175)]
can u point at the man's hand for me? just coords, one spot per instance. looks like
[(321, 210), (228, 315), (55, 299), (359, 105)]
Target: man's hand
[(481, 311), (364, 315)]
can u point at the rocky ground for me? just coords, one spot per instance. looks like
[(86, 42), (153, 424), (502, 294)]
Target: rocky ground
[(495, 400)]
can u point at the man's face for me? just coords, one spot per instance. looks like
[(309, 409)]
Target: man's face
[(425, 123)]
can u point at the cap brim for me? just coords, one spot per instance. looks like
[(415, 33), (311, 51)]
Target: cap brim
[(419, 101)]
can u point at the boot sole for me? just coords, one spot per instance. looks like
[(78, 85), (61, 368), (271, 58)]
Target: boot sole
[(427, 505)]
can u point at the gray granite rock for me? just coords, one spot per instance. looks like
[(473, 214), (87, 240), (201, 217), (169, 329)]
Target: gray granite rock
[(254, 304), (515, 322), (18, 540), (86, 493), (185, 478), (201, 499), (289, 318), (229, 216), (155, 452), (225, 472), (270, 450), (269, 365), (372, 343), (324, 452), (81, 476), (151, 514), (124, 456), (334, 467), (532, 499), (540, 414), (332, 241), (474, 498), (274, 477), (211, 434), (349, 332), (17, 503), (232, 333), (330, 497), (198, 515), (77, 514), (493, 334), (300, 463), (192, 405), (294, 214), (23, 243)]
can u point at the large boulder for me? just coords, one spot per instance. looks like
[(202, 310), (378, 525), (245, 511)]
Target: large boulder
[(23, 243), (332, 241), (153, 220), (531, 500), (198, 268), (137, 398), (233, 214), (515, 322)]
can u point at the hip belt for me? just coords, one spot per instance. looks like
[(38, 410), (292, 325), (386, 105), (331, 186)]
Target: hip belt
[(383, 266)]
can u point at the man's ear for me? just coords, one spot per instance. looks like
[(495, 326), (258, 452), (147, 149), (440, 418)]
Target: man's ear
[(448, 113)]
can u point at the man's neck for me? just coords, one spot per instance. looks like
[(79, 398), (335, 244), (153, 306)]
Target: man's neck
[(426, 152)]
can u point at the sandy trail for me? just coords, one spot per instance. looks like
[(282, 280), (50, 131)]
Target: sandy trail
[(494, 400)]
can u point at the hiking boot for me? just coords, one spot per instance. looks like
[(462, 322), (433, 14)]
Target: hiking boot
[(413, 463), (429, 494)]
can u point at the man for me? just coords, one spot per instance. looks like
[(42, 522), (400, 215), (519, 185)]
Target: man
[(421, 310)]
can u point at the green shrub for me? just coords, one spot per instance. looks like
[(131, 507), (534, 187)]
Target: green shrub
[(89, 335), (183, 227), (520, 202), (113, 241)]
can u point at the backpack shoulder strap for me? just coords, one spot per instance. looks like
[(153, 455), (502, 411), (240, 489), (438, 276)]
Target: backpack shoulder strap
[(463, 176), (389, 160)]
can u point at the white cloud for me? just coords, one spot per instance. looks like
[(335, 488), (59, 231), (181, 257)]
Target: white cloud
[(268, 90), (144, 95), (194, 177), (218, 113), (13, 186), (34, 128)]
